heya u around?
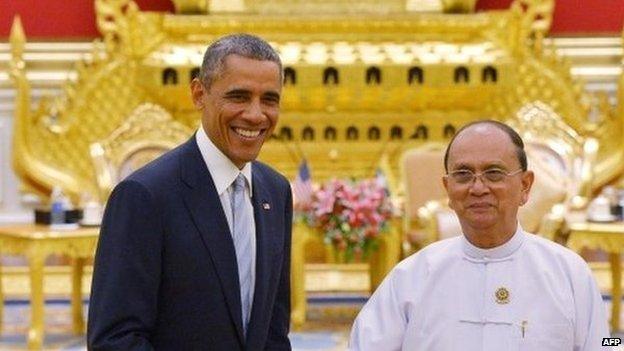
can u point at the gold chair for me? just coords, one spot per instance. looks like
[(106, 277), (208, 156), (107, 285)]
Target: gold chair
[(570, 158), (421, 171), (542, 214), (149, 132), (561, 161), (437, 221), (560, 148)]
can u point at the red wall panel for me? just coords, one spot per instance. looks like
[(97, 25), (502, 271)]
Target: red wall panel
[(75, 19), (577, 16), (588, 16), (61, 19)]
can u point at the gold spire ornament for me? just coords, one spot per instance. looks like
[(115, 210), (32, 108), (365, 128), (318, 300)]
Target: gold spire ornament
[(502, 296)]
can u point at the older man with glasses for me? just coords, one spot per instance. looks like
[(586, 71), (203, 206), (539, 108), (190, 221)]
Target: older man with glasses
[(496, 287)]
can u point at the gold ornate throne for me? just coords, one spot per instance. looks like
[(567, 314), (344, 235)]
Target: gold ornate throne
[(561, 160), (147, 133)]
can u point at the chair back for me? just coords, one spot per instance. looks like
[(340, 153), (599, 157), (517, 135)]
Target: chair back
[(421, 170), (146, 134)]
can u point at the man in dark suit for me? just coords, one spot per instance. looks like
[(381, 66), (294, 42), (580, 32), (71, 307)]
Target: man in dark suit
[(194, 250)]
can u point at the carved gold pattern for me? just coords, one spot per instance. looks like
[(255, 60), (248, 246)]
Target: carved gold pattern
[(537, 18), (539, 125), (190, 6), (608, 237), (51, 142), (125, 29), (605, 236), (325, 6), (289, 7), (36, 243), (146, 134)]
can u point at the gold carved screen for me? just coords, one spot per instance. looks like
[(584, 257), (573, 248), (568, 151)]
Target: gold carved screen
[(359, 87)]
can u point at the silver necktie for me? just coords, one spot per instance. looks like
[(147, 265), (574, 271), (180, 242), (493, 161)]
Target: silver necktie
[(242, 236)]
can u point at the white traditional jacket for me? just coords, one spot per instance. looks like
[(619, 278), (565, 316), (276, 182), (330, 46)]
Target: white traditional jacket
[(530, 294)]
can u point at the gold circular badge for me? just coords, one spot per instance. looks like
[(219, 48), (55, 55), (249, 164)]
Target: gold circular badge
[(502, 296)]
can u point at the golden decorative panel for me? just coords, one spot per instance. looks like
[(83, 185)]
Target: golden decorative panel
[(146, 134), (361, 85), (323, 6)]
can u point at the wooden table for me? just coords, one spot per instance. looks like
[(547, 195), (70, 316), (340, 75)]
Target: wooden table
[(36, 243), (608, 237)]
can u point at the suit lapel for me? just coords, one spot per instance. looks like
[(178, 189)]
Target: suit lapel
[(267, 244), (202, 201)]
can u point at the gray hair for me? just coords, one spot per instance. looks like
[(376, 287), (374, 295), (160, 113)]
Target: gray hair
[(246, 45)]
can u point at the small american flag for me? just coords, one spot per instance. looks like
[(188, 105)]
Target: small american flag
[(302, 186), (381, 180)]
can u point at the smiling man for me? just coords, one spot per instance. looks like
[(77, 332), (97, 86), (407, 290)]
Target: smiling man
[(496, 287), (194, 250)]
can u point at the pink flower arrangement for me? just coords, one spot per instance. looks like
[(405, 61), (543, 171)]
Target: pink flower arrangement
[(352, 215)]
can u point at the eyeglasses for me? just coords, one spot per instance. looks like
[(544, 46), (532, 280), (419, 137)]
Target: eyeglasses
[(489, 176)]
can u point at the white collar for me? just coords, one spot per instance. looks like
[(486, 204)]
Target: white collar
[(221, 168), (501, 252)]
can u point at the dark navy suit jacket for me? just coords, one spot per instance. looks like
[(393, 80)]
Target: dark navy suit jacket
[(165, 275)]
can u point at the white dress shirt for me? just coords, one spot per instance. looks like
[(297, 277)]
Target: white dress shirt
[(527, 294), (223, 173)]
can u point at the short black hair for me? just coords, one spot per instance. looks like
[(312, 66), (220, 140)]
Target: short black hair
[(242, 44), (513, 135)]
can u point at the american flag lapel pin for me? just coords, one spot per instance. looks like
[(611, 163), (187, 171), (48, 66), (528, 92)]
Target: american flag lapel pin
[(266, 206)]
